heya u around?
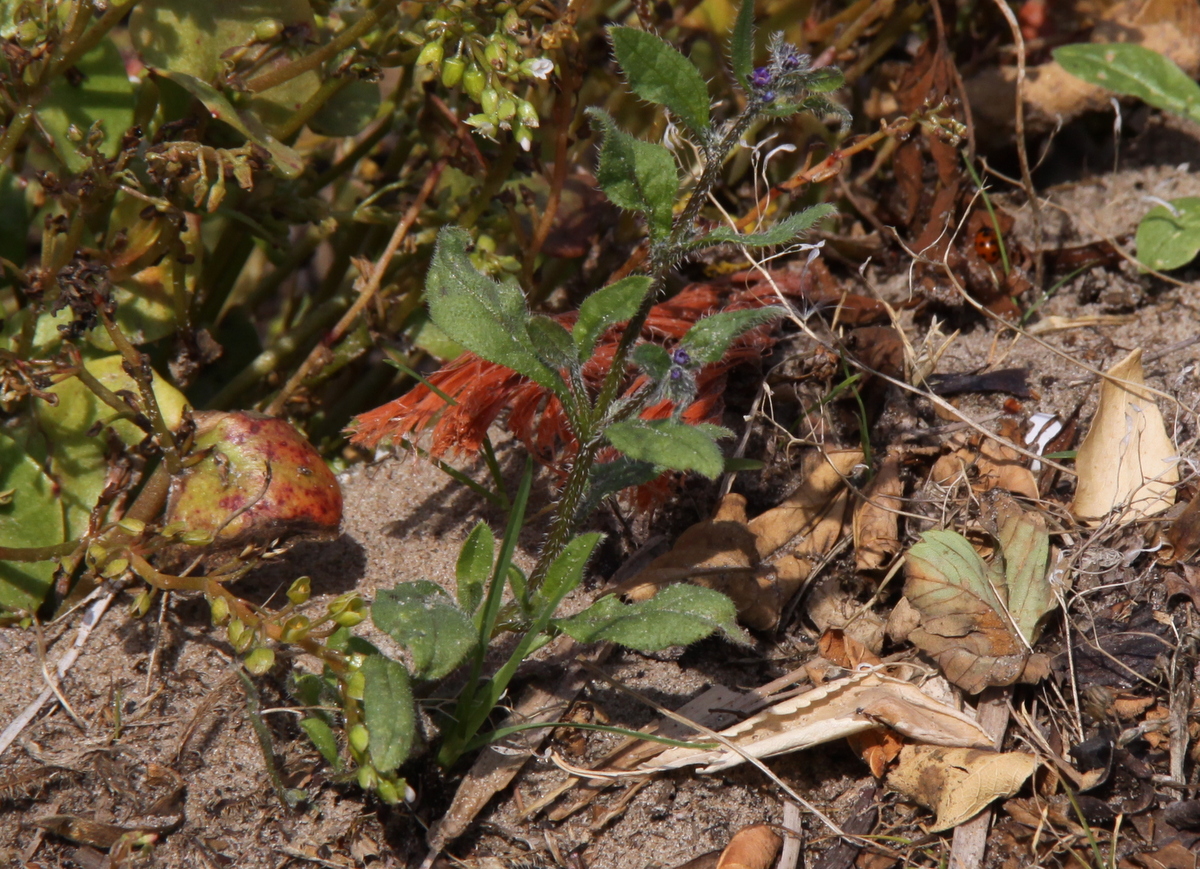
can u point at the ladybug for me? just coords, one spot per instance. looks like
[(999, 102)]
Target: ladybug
[(987, 245)]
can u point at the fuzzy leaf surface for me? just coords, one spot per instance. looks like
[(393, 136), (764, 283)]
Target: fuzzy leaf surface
[(606, 307), (421, 617), (669, 444), (388, 711), (658, 73), (474, 566), (487, 317), (784, 232), (637, 176), (678, 615), (708, 340), (741, 44)]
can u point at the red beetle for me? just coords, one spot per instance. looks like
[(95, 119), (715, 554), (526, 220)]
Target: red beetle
[(987, 245)]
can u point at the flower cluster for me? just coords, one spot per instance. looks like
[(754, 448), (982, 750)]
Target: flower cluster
[(488, 66)]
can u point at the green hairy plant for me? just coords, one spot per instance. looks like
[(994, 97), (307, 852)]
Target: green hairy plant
[(1169, 235), (171, 210)]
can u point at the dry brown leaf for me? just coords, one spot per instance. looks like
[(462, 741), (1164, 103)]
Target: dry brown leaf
[(876, 537), (1053, 96), (877, 748), (958, 783), (751, 848), (735, 556), (845, 651), (857, 703), (1182, 539), (1127, 459), (988, 464), (979, 621)]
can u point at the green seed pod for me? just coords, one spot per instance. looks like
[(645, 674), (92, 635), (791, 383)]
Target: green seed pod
[(115, 567), (196, 538), (506, 109), (219, 608), (474, 81), (347, 610), (452, 71), (496, 54), (300, 591), (296, 629), (132, 526), (489, 101), (523, 136), (266, 29), (359, 737), (527, 114), (96, 554), (367, 778), (431, 55), (260, 661), (356, 685), (141, 604), (241, 637), (387, 792), (511, 21)]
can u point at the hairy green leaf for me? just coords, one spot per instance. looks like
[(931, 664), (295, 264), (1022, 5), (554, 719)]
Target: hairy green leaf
[(741, 44), (474, 566), (1134, 70), (552, 343), (564, 576), (608, 478), (710, 337), (486, 317), (635, 175), (1168, 238), (678, 615), (653, 359), (784, 232), (669, 444), (606, 307), (658, 73), (388, 712), (102, 93), (421, 617)]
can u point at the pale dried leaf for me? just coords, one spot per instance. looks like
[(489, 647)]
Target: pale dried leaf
[(876, 537), (958, 783), (987, 464), (854, 704), (751, 848), (1127, 459)]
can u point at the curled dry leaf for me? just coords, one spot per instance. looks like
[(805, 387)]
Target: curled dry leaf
[(877, 748), (979, 621), (751, 848), (876, 536), (958, 783), (1182, 538), (987, 463), (1127, 459), (865, 700), (761, 562)]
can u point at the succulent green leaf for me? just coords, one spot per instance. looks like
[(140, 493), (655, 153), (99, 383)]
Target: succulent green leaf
[(1168, 238), (421, 617), (553, 344), (565, 573), (486, 317), (288, 163), (741, 44), (322, 737), (710, 337), (784, 232), (32, 515), (1134, 70), (474, 566), (678, 615), (658, 73), (388, 712), (104, 94), (635, 175), (606, 307), (669, 444)]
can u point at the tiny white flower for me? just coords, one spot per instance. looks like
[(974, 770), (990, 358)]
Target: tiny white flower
[(540, 68)]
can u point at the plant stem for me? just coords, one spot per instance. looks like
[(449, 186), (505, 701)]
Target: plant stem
[(328, 51)]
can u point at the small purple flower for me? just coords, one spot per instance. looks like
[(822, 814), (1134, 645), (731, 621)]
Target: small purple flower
[(761, 77), (680, 357), (768, 96), (792, 59), (676, 373)]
